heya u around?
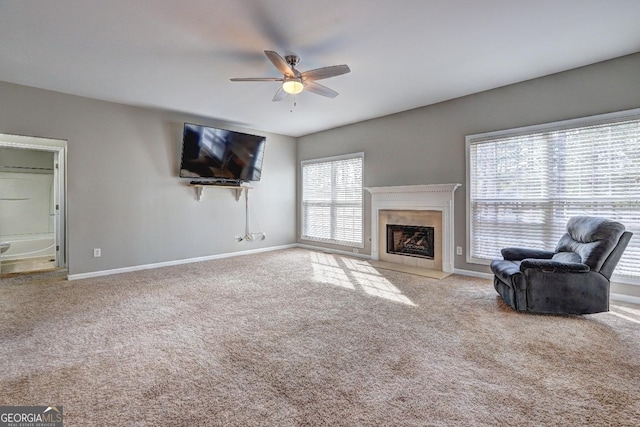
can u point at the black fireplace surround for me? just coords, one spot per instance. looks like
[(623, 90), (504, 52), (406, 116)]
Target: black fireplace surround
[(410, 240)]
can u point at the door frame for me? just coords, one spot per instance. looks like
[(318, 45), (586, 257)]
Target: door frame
[(59, 149)]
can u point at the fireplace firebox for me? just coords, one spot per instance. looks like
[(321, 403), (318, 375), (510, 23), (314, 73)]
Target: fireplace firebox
[(410, 240)]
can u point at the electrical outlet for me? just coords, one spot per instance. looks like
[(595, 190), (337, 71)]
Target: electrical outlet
[(458, 250), (97, 252), (355, 250)]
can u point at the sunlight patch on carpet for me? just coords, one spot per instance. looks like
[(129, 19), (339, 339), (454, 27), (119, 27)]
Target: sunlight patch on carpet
[(380, 287), (624, 316), (354, 274), (326, 270)]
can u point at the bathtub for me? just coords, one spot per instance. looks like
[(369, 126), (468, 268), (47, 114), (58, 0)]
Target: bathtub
[(29, 246)]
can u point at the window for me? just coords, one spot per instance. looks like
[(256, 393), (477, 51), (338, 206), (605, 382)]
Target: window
[(524, 184), (332, 200)]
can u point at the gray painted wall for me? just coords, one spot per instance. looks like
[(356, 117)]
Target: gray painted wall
[(427, 145), (124, 195)]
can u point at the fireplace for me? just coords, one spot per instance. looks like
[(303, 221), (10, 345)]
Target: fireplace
[(410, 240), (412, 230), (414, 206)]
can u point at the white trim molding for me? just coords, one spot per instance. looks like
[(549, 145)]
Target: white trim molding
[(434, 197)]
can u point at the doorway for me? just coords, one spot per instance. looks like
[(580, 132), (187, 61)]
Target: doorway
[(32, 204)]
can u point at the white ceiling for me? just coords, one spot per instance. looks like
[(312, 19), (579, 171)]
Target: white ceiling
[(179, 55)]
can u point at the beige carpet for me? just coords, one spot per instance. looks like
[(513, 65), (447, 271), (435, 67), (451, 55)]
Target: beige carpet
[(426, 272), (299, 338)]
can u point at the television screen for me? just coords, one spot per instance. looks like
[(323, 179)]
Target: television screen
[(221, 154)]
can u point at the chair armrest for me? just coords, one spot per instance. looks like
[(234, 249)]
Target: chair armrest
[(518, 254), (548, 265)]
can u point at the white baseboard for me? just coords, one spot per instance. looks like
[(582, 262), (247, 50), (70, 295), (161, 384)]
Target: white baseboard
[(472, 273), (176, 262), (625, 298)]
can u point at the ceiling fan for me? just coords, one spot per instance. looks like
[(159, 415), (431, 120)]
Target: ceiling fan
[(294, 81)]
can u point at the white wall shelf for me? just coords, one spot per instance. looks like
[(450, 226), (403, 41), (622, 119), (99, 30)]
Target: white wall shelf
[(237, 189)]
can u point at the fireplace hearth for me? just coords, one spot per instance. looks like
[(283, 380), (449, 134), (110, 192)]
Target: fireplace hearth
[(409, 240)]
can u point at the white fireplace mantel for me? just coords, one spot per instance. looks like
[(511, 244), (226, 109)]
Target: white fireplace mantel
[(437, 197)]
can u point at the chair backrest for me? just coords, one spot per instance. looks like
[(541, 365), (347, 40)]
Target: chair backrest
[(611, 262), (593, 239)]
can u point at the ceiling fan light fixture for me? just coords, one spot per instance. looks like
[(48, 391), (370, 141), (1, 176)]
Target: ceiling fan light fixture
[(292, 85), (294, 81)]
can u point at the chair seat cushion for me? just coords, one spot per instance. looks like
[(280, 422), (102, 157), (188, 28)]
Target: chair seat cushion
[(551, 266), (567, 257)]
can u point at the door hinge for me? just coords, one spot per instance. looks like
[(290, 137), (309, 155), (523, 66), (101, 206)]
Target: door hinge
[(57, 247)]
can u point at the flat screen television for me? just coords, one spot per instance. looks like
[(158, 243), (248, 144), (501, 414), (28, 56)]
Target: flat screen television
[(221, 155)]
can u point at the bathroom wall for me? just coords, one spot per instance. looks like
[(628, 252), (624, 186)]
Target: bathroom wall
[(26, 201)]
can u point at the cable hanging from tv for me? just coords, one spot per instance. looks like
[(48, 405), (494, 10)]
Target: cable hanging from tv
[(248, 235)]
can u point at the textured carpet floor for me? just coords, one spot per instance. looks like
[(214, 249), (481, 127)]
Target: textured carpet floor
[(301, 338)]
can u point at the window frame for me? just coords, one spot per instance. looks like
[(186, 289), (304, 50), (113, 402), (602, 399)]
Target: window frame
[(564, 125), (332, 241)]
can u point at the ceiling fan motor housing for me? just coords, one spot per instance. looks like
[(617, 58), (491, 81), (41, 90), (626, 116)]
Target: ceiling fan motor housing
[(292, 60)]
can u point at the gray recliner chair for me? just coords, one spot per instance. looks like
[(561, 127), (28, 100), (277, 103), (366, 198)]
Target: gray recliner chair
[(573, 279)]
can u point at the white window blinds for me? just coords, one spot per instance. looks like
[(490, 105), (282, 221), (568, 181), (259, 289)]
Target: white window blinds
[(332, 200), (525, 184)]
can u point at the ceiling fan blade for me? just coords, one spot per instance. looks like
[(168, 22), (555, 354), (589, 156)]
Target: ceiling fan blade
[(279, 95), (256, 79), (279, 62), (318, 89), (325, 72)]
